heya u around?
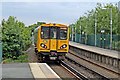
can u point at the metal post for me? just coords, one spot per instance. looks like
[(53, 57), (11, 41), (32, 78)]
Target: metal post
[(110, 28), (80, 34), (95, 28), (72, 33), (75, 34), (32, 38)]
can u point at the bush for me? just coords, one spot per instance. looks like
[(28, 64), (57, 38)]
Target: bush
[(9, 60), (23, 58), (116, 45)]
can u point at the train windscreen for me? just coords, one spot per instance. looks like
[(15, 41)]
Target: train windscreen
[(54, 33), (45, 32), (63, 33)]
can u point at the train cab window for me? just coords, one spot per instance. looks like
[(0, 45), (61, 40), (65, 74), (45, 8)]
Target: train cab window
[(53, 33), (63, 33), (45, 33)]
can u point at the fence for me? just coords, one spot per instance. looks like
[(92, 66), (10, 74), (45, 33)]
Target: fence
[(102, 40)]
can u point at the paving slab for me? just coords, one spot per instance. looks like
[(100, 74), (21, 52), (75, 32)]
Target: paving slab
[(17, 70), (36, 71), (49, 73)]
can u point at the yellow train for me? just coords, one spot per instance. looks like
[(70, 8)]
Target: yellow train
[(51, 41)]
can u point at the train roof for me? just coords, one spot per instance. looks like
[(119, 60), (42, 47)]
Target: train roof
[(51, 24), (54, 24)]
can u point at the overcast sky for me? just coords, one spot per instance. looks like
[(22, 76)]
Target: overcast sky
[(58, 12)]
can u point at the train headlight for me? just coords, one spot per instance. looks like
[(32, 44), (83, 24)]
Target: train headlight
[(43, 45), (63, 46)]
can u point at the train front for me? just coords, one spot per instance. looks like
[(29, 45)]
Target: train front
[(54, 41)]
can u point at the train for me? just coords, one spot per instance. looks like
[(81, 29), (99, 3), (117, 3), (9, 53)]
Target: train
[(51, 41)]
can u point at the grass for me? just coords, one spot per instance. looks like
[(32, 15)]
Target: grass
[(21, 59)]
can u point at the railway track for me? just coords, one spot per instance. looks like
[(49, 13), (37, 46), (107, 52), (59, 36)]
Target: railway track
[(63, 71), (96, 74), (86, 72), (70, 68), (74, 71)]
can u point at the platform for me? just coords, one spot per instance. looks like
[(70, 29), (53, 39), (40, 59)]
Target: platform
[(29, 71), (42, 70), (106, 52)]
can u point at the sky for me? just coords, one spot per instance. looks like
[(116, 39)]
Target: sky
[(66, 12)]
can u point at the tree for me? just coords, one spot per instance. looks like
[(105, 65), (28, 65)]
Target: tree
[(15, 37), (87, 22)]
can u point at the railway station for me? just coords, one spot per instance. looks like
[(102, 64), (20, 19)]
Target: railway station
[(69, 41), (86, 57)]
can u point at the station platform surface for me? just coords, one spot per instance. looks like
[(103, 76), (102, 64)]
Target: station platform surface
[(29, 71), (106, 52)]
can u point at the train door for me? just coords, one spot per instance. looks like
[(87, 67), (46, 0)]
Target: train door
[(44, 40), (53, 38)]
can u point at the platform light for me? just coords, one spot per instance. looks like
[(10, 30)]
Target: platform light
[(95, 27), (102, 31)]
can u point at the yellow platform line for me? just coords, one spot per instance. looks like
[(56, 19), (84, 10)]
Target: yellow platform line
[(49, 73), (36, 71)]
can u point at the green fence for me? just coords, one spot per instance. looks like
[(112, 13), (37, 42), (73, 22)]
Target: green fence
[(102, 40)]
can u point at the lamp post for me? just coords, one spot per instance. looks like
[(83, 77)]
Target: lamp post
[(75, 34), (80, 33), (32, 39), (72, 33), (95, 28), (110, 27)]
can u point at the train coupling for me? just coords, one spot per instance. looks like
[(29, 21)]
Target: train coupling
[(53, 53)]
